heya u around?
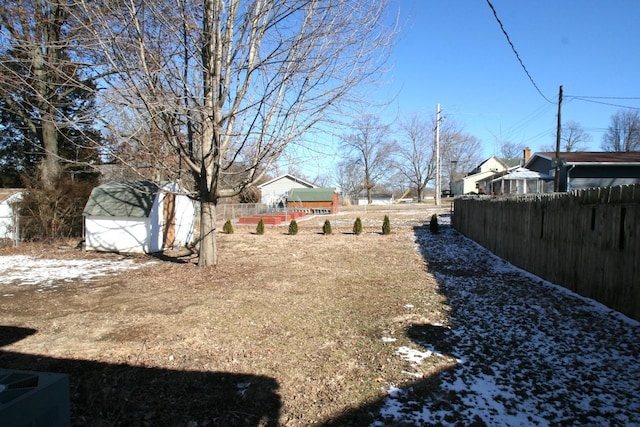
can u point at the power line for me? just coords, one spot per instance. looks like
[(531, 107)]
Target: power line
[(593, 99), (495, 14), (604, 97)]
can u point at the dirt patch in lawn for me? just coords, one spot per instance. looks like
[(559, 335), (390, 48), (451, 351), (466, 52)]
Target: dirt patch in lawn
[(287, 330)]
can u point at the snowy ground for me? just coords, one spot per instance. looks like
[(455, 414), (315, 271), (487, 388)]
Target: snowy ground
[(524, 351), (49, 274)]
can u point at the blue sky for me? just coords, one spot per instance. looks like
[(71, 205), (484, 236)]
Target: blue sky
[(453, 53)]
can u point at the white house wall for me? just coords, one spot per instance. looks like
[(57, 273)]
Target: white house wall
[(111, 234), (492, 165), (470, 183), (272, 193)]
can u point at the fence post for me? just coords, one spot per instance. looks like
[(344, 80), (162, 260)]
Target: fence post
[(16, 228)]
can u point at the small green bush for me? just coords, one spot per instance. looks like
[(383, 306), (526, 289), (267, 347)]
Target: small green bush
[(326, 228), (260, 227), (293, 227), (433, 224), (227, 228), (386, 225), (357, 226)]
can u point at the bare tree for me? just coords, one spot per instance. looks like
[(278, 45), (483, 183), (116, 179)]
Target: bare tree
[(350, 178), (510, 149), (572, 138), (369, 147), (232, 83), (460, 152), (416, 162), (624, 132), (416, 153)]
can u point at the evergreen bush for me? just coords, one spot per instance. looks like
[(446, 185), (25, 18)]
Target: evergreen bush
[(357, 226), (227, 228), (433, 224), (260, 227), (293, 227), (326, 228), (386, 225)]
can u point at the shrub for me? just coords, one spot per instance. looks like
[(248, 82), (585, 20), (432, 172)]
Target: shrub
[(227, 228), (386, 225), (357, 226), (326, 228), (433, 224), (260, 227), (293, 227), (48, 214)]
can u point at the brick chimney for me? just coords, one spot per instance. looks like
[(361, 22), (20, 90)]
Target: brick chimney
[(527, 154)]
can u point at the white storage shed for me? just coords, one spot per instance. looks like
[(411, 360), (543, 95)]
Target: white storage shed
[(138, 216), (8, 214)]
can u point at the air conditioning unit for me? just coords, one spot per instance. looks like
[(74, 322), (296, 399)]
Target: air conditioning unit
[(34, 399)]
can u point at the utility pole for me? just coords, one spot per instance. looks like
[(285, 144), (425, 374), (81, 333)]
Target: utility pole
[(437, 155), (556, 178)]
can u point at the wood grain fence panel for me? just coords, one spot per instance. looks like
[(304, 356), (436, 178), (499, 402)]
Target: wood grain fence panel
[(587, 241)]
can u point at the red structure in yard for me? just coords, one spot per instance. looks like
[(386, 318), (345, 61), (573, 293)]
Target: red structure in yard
[(273, 218), (318, 201)]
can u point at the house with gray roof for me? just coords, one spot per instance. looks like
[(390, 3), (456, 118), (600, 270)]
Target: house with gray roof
[(588, 169)]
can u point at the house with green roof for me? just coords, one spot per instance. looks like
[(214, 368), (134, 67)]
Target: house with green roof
[(313, 200)]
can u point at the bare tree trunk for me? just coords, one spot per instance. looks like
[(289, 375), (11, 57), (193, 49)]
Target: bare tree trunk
[(208, 255), (50, 165)]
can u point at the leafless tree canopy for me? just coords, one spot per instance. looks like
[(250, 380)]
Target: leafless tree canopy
[(510, 150), (459, 151), (369, 147), (623, 133), (572, 138), (233, 82)]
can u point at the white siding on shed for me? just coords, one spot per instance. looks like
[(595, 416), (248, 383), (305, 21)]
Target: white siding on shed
[(111, 234), (7, 216)]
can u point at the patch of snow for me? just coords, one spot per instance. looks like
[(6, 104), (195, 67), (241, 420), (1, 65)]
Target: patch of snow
[(50, 274), (388, 339), (412, 355)]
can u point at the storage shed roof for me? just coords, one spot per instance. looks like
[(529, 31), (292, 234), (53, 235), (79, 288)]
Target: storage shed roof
[(132, 199)]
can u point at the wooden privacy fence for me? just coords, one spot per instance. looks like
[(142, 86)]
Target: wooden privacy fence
[(586, 240)]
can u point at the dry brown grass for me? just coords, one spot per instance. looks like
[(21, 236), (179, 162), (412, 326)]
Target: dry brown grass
[(287, 330)]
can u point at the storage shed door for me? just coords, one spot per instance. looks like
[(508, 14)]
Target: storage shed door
[(169, 220)]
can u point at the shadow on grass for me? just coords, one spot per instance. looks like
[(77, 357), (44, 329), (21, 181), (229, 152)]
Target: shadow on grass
[(411, 396), (104, 394)]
